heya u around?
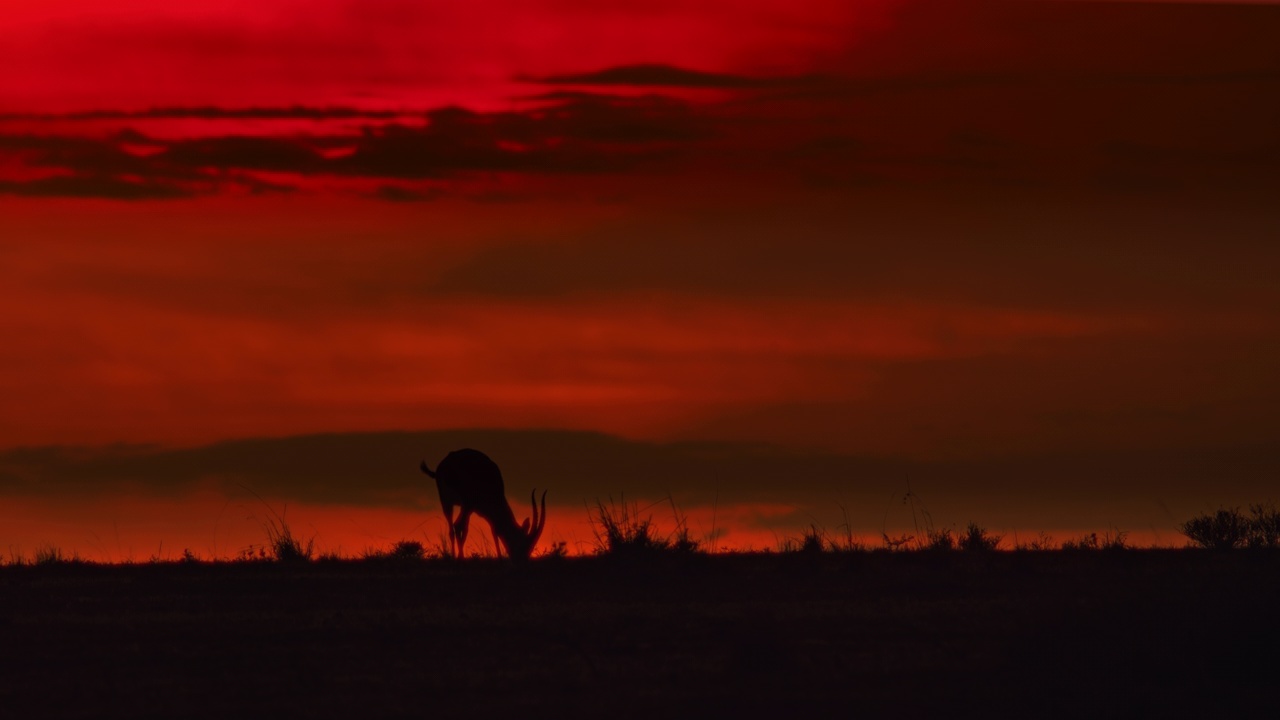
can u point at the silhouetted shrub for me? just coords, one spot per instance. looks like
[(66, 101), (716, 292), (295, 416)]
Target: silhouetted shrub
[(408, 550), (1264, 526), (1229, 529), (978, 539), (1223, 530), (940, 540)]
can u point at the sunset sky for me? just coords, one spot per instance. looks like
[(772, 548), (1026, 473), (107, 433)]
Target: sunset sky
[(770, 259)]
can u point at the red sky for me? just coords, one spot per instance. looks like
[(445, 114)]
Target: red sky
[(1022, 252)]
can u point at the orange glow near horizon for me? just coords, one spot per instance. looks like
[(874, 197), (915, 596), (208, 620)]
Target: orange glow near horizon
[(214, 527)]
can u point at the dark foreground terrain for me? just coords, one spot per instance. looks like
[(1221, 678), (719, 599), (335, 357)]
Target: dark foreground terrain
[(1129, 633)]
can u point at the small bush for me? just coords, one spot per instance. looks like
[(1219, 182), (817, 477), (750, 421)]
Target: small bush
[(403, 551), (1229, 529), (1265, 526), (1223, 530), (408, 550), (977, 539), (940, 540)]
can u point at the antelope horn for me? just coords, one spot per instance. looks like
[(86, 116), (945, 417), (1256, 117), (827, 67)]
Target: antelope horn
[(539, 519)]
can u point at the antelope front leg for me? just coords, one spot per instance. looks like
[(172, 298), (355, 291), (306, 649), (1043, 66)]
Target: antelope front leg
[(497, 544), (460, 531)]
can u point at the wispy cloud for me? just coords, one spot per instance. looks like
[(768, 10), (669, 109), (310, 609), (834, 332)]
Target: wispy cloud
[(586, 134), (209, 112), (95, 186), (660, 75)]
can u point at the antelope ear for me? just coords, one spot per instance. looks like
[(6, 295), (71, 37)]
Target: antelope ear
[(525, 526)]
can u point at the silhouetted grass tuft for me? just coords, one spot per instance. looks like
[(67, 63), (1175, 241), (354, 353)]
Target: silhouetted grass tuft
[(1042, 543), (845, 542), (1091, 541), (555, 551), (284, 546), (813, 541), (682, 541), (47, 555), (620, 531)]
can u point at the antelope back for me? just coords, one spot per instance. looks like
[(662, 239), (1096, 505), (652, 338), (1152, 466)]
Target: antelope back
[(472, 480)]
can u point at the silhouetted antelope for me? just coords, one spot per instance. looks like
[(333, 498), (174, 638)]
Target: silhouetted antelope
[(470, 480)]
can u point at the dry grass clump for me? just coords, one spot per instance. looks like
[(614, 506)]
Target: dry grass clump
[(620, 530), (1117, 540), (53, 555), (813, 541), (1043, 542), (284, 546)]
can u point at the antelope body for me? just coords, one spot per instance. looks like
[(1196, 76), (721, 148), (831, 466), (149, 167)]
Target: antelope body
[(468, 480)]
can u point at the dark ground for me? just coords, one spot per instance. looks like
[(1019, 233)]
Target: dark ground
[(1127, 633)]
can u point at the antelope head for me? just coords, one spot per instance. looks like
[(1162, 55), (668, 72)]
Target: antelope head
[(521, 540)]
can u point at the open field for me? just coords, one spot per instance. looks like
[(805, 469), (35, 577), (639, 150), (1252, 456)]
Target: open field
[(1007, 634)]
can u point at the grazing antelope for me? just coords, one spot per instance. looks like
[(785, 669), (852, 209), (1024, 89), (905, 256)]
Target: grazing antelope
[(470, 480)]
